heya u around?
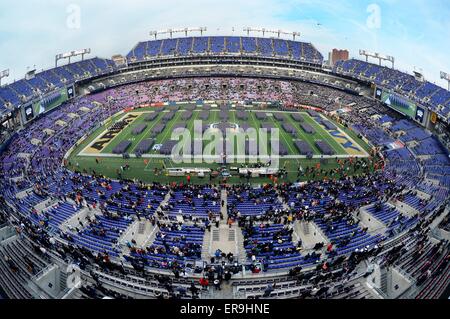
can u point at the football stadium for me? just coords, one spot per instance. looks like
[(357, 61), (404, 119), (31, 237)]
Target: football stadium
[(206, 166)]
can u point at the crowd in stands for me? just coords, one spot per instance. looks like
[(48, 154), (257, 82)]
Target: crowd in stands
[(31, 174), (48, 81), (301, 51), (426, 93)]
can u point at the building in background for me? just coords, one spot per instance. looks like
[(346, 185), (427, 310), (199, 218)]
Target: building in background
[(337, 55)]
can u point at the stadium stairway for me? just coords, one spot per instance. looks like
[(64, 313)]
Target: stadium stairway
[(136, 286), (207, 241), (24, 263), (142, 231), (422, 195), (404, 208), (242, 257), (370, 221), (433, 259), (440, 218), (309, 234), (288, 288), (24, 193), (224, 238), (80, 216), (41, 205), (358, 290)]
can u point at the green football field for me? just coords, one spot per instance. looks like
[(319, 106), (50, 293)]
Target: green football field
[(150, 167)]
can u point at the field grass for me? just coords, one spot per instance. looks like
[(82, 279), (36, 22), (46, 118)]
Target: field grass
[(144, 168)]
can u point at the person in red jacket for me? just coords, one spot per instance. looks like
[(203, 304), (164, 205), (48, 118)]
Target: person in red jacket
[(204, 283), (330, 247)]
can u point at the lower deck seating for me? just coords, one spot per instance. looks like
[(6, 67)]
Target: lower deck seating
[(27, 203), (383, 213), (347, 237), (421, 205), (180, 244), (392, 218), (18, 263), (194, 203), (102, 234), (273, 246), (252, 202), (56, 215)]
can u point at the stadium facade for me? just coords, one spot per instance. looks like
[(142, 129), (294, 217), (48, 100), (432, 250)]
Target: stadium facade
[(381, 232)]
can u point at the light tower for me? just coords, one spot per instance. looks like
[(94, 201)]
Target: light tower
[(446, 77), (171, 32), (379, 56), (3, 74), (279, 33), (70, 55)]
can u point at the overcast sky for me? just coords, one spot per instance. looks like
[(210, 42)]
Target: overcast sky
[(415, 32)]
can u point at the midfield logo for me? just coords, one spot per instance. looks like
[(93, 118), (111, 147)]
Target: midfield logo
[(226, 143)]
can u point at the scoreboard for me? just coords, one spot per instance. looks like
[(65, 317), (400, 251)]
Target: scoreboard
[(31, 110), (402, 105), (29, 113), (70, 92)]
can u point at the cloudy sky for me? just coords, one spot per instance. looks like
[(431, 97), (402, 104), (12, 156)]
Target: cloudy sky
[(415, 32)]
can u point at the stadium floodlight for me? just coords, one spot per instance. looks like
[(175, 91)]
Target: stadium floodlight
[(71, 54), (3, 74), (279, 33), (445, 76), (154, 34), (380, 57), (182, 30)]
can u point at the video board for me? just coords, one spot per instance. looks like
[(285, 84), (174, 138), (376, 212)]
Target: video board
[(400, 104)]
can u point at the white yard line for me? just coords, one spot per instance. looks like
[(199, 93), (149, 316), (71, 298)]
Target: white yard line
[(324, 137), (144, 134), (302, 133), (348, 137), (106, 155), (284, 135), (177, 116)]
